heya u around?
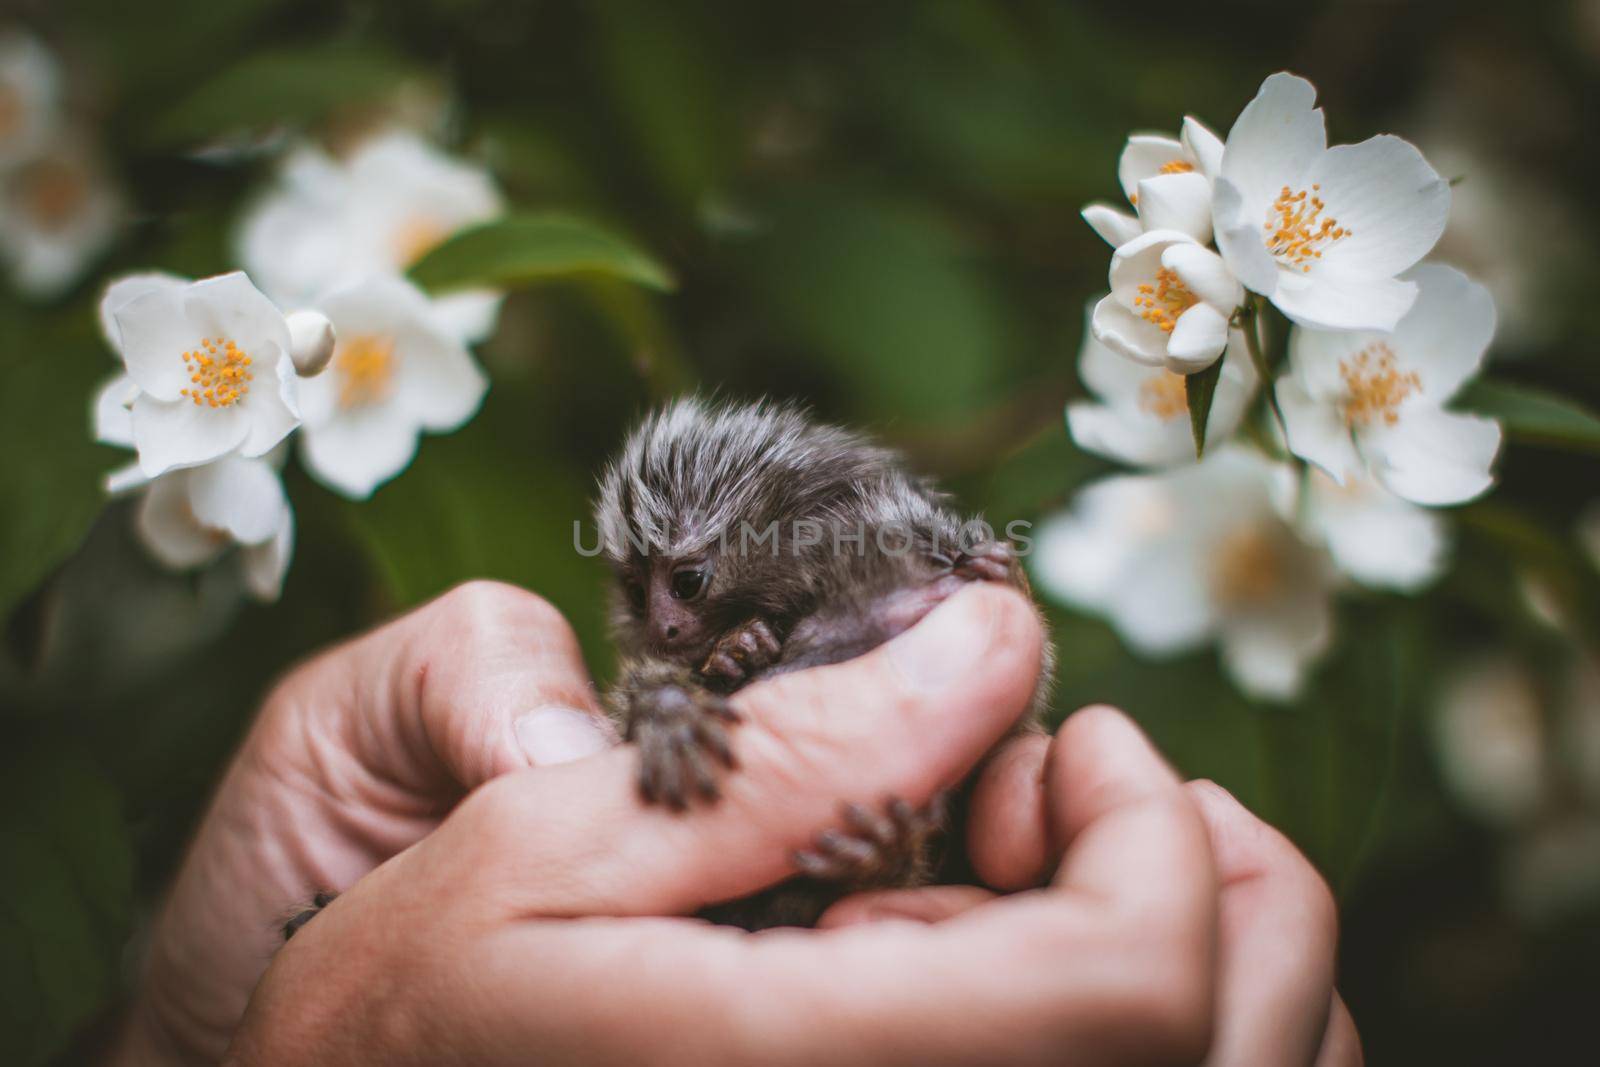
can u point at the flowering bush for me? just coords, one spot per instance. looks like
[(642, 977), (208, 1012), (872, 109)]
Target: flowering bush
[(1323, 515), (1376, 349)]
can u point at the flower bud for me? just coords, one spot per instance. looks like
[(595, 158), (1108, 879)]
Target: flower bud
[(311, 341)]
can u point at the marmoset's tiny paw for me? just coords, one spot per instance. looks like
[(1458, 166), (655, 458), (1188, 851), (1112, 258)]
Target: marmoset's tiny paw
[(878, 847), (318, 902), (988, 561), (682, 734), (742, 651)]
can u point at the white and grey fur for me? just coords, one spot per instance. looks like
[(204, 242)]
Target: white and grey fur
[(673, 505)]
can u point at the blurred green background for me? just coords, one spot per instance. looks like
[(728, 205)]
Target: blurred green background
[(873, 207)]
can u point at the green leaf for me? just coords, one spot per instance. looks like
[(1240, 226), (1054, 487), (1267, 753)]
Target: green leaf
[(1198, 390), (293, 86), (66, 887), (1534, 415), (526, 249), (50, 482), (891, 296)]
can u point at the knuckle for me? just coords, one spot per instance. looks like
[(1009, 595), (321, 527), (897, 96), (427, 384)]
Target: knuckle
[(483, 603)]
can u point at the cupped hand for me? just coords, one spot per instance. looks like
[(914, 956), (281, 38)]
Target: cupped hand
[(356, 755), (538, 922)]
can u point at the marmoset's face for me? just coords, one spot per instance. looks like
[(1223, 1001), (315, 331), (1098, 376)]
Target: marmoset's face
[(671, 601)]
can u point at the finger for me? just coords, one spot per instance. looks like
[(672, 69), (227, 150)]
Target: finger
[(483, 680), (1278, 929), (908, 719), (1104, 966), (1341, 1045), (929, 904), (1007, 829)]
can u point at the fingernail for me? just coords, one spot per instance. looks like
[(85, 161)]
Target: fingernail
[(556, 734), (944, 644)]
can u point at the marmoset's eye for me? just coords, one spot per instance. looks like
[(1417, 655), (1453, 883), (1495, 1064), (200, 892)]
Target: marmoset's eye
[(688, 583)]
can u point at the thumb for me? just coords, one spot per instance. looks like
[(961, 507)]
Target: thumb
[(908, 719), (483, 680)]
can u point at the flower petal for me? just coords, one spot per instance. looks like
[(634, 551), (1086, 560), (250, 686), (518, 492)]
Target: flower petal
[(1316, 358), (171, 435), (163, 522), (1273, 143), (1107, 374), (113, 422), (1238, 237), (360, 449), (1143, 157), (1179, 202), (1267, 654), (241, 496), (1128, 434), (1114, 227), (273, 408), (1198, 339), (1432, 456), (1164, 604), (124, 290), (1374, 536), (266, 564), (1332, 302), (1204, 146), (1317, 431), (1444, 336), (1393, 203), (438, 382), (470, 315), (155, 332), (1205, 275), (228, 305), (125, 480), (1127, 334)]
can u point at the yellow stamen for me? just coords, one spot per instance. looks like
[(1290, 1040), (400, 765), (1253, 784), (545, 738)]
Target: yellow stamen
[(365, 366), (1297, 231), (1176, 166), (219, 371), (416, 237), (1248, 568), (1376, 385), (1160, 303), (1164, 395), (53, 190)]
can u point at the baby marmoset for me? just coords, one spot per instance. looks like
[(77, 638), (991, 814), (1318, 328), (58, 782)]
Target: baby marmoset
[(748, 540)]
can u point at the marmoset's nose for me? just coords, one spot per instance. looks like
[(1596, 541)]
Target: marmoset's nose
[(672, 624)]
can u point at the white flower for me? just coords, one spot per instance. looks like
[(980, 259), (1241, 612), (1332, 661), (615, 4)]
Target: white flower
[(187, 518), (396, 372), (1170, 302), (1178, 558), (211, 360), (58, 211), (1375, 402), (1322, 232), (30, 89), (1168, 181), (328, 224), (1489, 733), (1142, 414), (1374, 536)]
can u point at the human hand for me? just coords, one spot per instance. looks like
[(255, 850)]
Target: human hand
[(1277, 923), (533, 921), (356, 755)]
